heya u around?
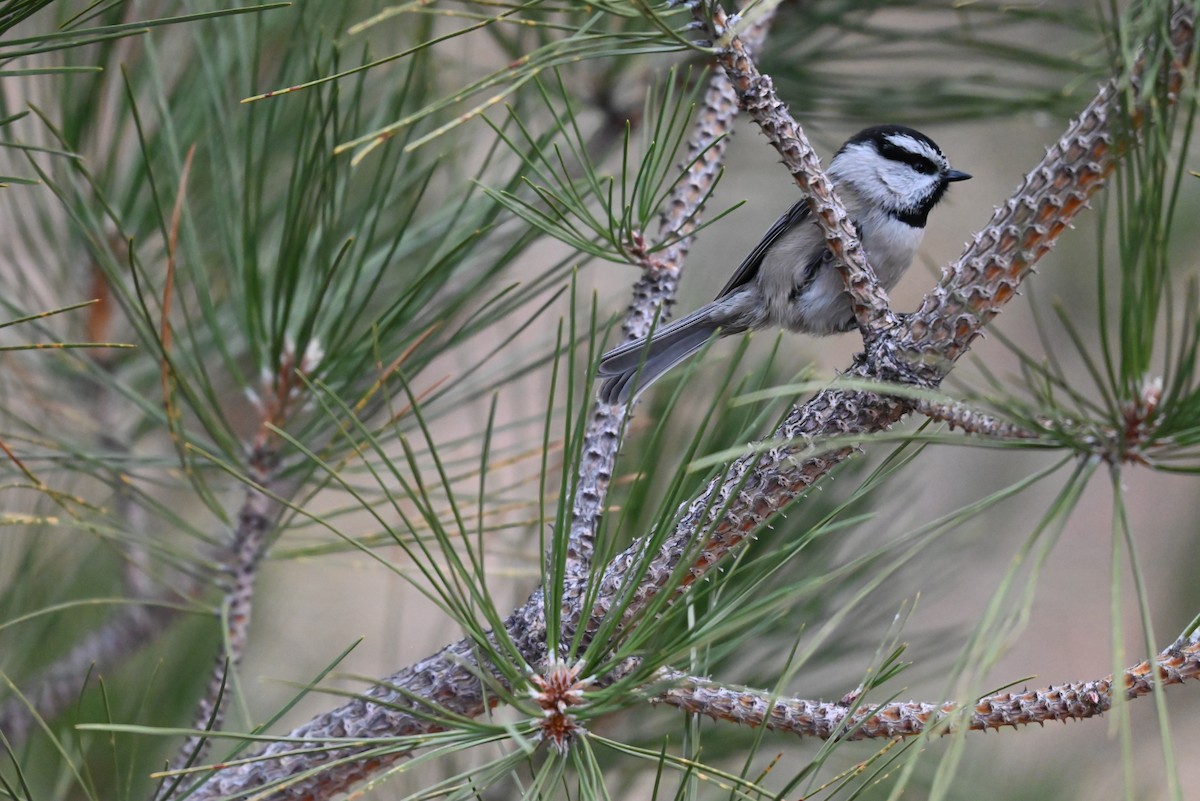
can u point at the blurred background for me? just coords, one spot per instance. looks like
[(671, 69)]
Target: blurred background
[(128, 491)]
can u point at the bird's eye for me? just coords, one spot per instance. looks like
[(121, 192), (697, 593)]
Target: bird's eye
[(919, 163), (894, 152)]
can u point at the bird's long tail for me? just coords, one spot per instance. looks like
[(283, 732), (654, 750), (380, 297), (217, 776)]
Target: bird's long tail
[(628, 369)]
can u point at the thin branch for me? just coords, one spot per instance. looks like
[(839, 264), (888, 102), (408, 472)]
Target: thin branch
[(824, 720), (255, 521), (653, 295), (391, 708), (963, 417)]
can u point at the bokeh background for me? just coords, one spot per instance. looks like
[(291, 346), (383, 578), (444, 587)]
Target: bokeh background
[(993, 112)]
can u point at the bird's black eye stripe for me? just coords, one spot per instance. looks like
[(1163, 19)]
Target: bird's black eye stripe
[(918, 162)]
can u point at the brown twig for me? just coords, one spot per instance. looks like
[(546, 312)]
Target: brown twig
[(255, 520)]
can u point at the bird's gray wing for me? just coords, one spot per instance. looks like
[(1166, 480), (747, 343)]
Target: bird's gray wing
[(749, 268)]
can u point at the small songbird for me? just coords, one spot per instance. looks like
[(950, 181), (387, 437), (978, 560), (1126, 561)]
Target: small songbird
[(888, 177)]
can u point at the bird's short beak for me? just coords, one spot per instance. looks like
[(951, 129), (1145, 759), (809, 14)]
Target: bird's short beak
[(955, 175)]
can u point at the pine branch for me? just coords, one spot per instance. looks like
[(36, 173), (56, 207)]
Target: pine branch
[(449, 680), (920, 351), (255, 521), (653, 296), (960, 416), (452, 674), (844, 720)]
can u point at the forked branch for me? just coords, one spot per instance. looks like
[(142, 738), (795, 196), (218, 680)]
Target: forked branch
[(653, 295)]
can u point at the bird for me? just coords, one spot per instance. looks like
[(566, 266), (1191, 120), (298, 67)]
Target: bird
[(888, 176)]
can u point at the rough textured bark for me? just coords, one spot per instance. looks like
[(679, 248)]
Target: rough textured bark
[(653, 295), (1075, 701), (255, 521)]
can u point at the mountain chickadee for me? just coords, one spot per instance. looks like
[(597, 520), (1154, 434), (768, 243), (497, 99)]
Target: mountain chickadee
[(889, 177)]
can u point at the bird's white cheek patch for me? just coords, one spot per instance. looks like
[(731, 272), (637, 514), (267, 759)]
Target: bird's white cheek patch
[(904, 188), (898, 186)]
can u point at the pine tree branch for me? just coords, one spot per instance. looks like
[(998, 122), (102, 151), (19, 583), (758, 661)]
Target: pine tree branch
[(255, 521), (961, 416), (919, 351), (844, 720), (654, 294), (283, 392), (392, 708), (451, 675)]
